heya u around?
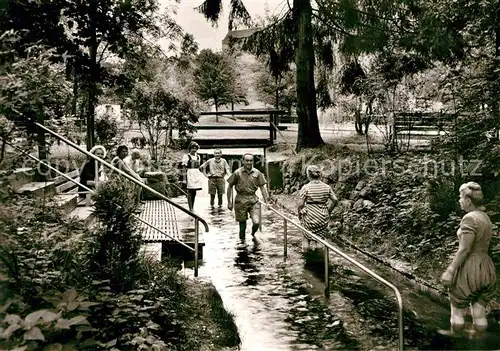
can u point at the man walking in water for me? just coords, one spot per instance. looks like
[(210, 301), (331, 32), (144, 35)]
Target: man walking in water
[(215, 169), (246, 180)]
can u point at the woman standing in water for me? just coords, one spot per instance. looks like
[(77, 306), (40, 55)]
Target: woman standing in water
[(471, 276), (313, 209), (193, 178)]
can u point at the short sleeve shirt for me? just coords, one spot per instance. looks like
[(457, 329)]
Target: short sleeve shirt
[(246, 182), (216, 169)]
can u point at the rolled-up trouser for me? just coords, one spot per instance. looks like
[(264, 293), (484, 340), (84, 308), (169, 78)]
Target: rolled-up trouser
[(216, 185), (245, 204)]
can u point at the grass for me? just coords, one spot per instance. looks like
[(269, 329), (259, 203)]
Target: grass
[(210, 326), (228, 336)]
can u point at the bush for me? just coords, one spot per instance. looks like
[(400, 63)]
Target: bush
[(106, 129), (114, 252), (442, 197)]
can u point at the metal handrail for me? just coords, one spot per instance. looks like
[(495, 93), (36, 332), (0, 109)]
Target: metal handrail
[(126, 175), (93, 191), (328, 247)]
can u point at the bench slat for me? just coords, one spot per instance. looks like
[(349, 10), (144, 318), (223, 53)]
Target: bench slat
[(61, 179), (66, 186)]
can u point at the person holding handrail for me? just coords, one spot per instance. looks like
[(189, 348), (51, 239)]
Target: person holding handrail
[(246, 180), (92, 172), (313, 208), (192, 177), (471, 276)]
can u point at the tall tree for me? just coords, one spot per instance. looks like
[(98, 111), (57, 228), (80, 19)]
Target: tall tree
[(213, 79), (86, 30), (33, 88), (297, 28), (276, 91)]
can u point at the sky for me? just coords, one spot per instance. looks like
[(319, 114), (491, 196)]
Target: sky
[(209, 37)]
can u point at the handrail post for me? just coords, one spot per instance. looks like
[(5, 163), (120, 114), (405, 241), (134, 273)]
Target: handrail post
[(196, 229), (329, 246), (327, 272), (285, 238)]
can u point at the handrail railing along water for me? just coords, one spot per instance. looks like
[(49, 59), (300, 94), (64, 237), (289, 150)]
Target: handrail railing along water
[(328, 247), (93, 191), (141, 184), (124, 174)]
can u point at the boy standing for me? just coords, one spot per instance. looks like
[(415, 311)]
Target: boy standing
[(215, 169)]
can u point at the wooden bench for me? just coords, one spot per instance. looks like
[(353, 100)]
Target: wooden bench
[(422, 125), (66, 189), (233, 143)]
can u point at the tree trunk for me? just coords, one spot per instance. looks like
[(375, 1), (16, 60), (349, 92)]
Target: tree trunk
[(92, 96), (216, 110), (277, 97), (309, 134), (74, 100), (496, 112)]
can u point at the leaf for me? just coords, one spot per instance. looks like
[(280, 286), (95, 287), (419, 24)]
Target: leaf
[(72, 306), (63, 324), (112, 343), (70, 295), (32, 318), (34, 334), (10, 330), (12, 319), (49, 316), (70, 346), (79, 320), (53, 347)]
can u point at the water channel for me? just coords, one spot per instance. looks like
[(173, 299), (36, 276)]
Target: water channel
[(279, 304)]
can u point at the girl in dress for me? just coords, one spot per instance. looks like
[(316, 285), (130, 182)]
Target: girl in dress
[(316, 202), (92, 171), (471, 276), (193, 178)]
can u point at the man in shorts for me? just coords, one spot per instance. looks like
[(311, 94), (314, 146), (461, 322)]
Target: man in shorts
[(246, 180), (215, 169)]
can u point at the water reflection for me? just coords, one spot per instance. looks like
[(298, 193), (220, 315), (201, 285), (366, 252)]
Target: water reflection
[(246, 260)]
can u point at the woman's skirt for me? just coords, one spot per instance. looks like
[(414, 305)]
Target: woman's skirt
[(475, 281), (315, 218)]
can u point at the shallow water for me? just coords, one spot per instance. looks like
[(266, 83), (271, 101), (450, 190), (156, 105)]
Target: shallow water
[(278, 304)]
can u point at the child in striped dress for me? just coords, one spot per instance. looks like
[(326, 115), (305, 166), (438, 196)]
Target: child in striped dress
[(314, 210)]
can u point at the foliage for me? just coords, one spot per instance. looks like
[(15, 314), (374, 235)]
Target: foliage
[(33, 88), (106, 130), (215, 79), (62, 326), (6, 135), (414, 212), (282, 88), (189, 51), (50, 298), (159, 111), (114, 252), (88, 32)]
